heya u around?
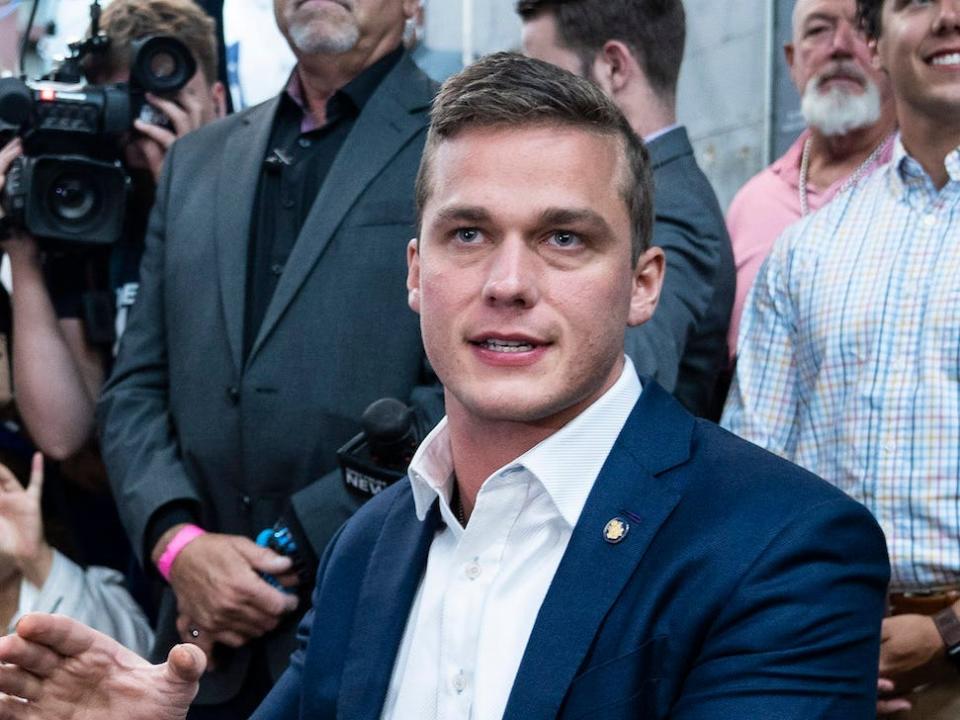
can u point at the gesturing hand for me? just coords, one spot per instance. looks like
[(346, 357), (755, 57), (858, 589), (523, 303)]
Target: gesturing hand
[(21, 526), (59, 669), (186, 114), (216, 579)]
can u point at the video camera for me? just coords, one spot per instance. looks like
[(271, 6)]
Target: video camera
[(70, 186)]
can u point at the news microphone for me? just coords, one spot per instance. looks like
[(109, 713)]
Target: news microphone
[(379, 455)]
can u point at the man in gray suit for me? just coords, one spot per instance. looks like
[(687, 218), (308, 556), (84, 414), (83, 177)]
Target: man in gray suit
[(271, 312), (632, 49)]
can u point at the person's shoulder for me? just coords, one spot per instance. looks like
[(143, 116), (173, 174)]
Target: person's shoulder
[(754, 192), (745, 478), (212, 134)]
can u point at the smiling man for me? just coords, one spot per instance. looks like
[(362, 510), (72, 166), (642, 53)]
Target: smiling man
[(850, 117), (849, 364), (571, 542)]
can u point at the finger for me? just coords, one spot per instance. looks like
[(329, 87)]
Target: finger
[(29, 656), (160, 135), (233, 639), (288, 580), (261, 558), (268, 599), (8, 154), (8, 481), (178, 117), (12, 708), (35, 487), (889, 707), (17, 681), (884, 685), (185, 664), (61, 634)]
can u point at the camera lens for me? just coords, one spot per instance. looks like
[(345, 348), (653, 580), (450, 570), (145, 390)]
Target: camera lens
[(163, 65), (72, 198)]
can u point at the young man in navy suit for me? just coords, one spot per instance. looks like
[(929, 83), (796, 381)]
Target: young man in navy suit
[(571, 542)]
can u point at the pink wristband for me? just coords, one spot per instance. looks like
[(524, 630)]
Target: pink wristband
[(178, 542)]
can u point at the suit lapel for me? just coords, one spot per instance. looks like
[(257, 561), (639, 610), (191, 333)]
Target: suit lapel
[(593, 572), (235, 199), (389, 120), (389, 585)]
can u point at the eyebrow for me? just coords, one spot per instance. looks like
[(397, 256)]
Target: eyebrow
[(579, 216), (463, 213)]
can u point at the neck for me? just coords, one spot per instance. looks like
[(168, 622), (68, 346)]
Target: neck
[(929, 141), (834, 157), (480, 448), (321, 75), (647, 112)]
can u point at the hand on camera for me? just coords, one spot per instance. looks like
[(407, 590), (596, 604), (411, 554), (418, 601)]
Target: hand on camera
[(186, 113), (216, 579), (14, 242)]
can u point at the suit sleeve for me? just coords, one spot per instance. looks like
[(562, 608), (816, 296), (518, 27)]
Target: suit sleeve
[(763, 404), (137, 439), (799, 638), (693, 266)]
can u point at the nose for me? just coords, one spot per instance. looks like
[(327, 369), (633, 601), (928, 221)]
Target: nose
[(844, 37), (948, 17), (512, 275)]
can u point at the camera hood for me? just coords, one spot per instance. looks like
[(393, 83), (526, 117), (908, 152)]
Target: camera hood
[(160, 64)]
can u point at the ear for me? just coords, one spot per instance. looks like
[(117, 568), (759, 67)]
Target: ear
[(647, 283), (614, 67), (410, 8), (219, 95), (873, 45), (789, 53), (413, 275)]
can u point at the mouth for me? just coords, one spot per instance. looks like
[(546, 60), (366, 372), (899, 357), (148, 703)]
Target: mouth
[(949, 58), (512, 349)]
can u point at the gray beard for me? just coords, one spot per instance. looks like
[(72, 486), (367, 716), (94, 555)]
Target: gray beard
[(837, 112), (310, 42)]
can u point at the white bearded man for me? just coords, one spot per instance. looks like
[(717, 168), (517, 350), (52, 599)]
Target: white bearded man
[(850, 118)]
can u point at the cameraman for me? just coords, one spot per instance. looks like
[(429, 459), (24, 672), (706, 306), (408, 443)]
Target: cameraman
[(59, 358)]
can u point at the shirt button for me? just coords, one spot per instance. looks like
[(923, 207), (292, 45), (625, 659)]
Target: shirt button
[(276, 269), (459, 682), (304, 142), (233, 394), (929, 220), (247, 502), (473, 571), (287, 203)]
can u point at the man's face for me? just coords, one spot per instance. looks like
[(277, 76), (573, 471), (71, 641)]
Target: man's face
[(523, 275), (541, 41), (338, 26), (919, 47), (830, 62)]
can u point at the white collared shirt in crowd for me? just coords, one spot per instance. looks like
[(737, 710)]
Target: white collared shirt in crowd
[(483, 586), (849, 359)]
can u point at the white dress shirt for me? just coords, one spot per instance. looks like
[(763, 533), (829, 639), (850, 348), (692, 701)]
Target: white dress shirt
[(483, 586)]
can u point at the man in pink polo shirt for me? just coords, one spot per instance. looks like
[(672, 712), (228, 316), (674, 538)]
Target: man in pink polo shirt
[(850, 116)]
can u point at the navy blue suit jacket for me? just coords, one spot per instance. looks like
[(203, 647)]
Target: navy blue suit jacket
[(745, 588)]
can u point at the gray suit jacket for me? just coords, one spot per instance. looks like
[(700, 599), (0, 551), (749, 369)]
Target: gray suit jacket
[(185, 418), (684, 345)]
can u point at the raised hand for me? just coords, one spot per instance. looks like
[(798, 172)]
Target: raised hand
[(59, 669), (21, 526)]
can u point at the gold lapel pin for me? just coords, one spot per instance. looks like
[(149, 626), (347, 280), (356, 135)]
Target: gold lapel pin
[(615, 530)]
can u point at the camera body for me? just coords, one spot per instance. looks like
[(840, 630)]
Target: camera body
[(70, 186)]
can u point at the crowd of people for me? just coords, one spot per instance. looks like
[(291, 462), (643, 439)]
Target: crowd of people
[(575, 536)]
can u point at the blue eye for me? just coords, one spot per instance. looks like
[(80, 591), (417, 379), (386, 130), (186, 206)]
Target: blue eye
[(563, 239), (468, 235)]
